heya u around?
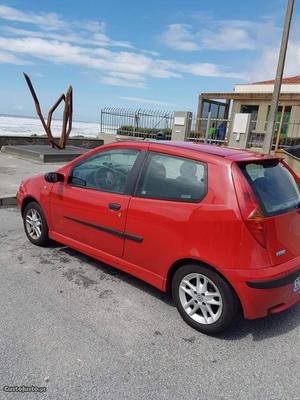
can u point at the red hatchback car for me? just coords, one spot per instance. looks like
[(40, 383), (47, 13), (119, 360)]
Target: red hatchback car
[(218, 227)]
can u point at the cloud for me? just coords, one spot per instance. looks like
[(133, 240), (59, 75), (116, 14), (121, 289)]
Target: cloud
[(85, 37), (209, 70), (127, 76), (46, 20), (260, 39), (179, 37), (141, 100), (265, 66), (9, 58), (151, 52), (222, 35), (102, 59), (228, 38), (136, 66), (87, 45), (110, 80)]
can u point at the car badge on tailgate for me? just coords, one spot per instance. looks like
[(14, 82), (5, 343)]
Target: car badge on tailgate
[(280, 253)]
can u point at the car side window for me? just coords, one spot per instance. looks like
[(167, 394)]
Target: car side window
[(106, 171), (173, 178)]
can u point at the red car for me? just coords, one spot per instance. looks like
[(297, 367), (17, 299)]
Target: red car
[(218, 227)]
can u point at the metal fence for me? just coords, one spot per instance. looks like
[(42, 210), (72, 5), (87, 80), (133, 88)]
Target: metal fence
[(209, 130), (137, 122), (289, 134), (155, 124), (217, 131)]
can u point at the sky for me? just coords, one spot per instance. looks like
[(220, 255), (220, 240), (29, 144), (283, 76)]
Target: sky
[(157, 54)]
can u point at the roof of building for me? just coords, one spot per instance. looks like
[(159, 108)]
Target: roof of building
[(291, 80)]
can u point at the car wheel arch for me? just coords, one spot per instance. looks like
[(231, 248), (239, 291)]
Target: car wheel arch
[(188, 261), (26, 201)]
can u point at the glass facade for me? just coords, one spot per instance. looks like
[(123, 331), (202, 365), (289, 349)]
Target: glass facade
[(253, 110), (285, 123)]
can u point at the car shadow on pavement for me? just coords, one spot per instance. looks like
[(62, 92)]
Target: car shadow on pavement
[(260, 329), (55, 245), (125, 277), (264, 328)]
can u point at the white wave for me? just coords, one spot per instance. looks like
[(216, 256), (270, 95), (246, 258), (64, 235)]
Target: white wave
[(20, 126)]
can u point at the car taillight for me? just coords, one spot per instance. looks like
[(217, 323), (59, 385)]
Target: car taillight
[(250, 209), (256, 225)]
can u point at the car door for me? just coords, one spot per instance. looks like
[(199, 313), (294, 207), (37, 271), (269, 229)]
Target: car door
[(164, 211), (91, 206)]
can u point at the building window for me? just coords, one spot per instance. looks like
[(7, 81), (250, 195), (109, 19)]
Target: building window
[(285, 122), (217, 109), (253, 110)]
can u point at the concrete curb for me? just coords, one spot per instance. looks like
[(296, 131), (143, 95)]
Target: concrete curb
[(8, 201)]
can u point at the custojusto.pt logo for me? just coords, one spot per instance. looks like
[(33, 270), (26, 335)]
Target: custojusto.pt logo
[(24, 389)]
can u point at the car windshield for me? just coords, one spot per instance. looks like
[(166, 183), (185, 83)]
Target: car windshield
[(273, 185)]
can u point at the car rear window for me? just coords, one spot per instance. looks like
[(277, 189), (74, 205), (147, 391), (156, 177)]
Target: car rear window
[(274, 186)]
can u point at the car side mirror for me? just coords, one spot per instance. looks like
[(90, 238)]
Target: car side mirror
[(53, 177)]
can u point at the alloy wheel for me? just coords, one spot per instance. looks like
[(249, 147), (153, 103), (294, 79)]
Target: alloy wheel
[(200, 298), (33, 224)]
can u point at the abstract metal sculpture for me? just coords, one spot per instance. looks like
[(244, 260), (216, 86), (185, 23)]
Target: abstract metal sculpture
[(67, 115)]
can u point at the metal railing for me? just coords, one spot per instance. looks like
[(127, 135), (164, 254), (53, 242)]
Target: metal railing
[(256, 140), (136, 122), (289, 136), (210, 130), (153, 124)]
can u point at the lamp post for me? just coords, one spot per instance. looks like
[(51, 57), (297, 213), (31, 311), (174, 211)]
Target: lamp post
[(268, 142)]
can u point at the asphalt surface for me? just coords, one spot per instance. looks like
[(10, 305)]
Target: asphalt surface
[(87, 331)]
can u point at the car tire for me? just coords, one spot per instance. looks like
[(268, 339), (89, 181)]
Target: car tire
[(193, 287), (35, 224)]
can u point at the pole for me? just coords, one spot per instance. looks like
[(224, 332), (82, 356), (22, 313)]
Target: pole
[(101, 121), (268, 142), (279, 129)]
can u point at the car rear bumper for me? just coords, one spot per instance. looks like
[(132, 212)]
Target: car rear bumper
[(275, 283), (267, 290)]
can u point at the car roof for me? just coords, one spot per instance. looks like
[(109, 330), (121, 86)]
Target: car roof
[(219, 151)]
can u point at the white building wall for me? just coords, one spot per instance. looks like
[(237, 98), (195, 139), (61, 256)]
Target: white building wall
[(294, 127), (266, 88)]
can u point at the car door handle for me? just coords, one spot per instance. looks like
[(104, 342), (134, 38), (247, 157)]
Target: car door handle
[(114, 206)]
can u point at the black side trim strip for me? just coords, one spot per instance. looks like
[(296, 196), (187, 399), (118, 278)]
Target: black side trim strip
[(275, 283), (115, 232)]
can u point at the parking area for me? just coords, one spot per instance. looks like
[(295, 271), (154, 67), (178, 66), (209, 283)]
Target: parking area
[(13, 170), (85, 330)]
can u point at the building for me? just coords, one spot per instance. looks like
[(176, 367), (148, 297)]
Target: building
[(255, 98)]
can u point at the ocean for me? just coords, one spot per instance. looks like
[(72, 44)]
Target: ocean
[(23, 126)]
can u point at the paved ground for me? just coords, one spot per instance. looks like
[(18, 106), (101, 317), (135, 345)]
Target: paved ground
[(88, 331), (13, 170)]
